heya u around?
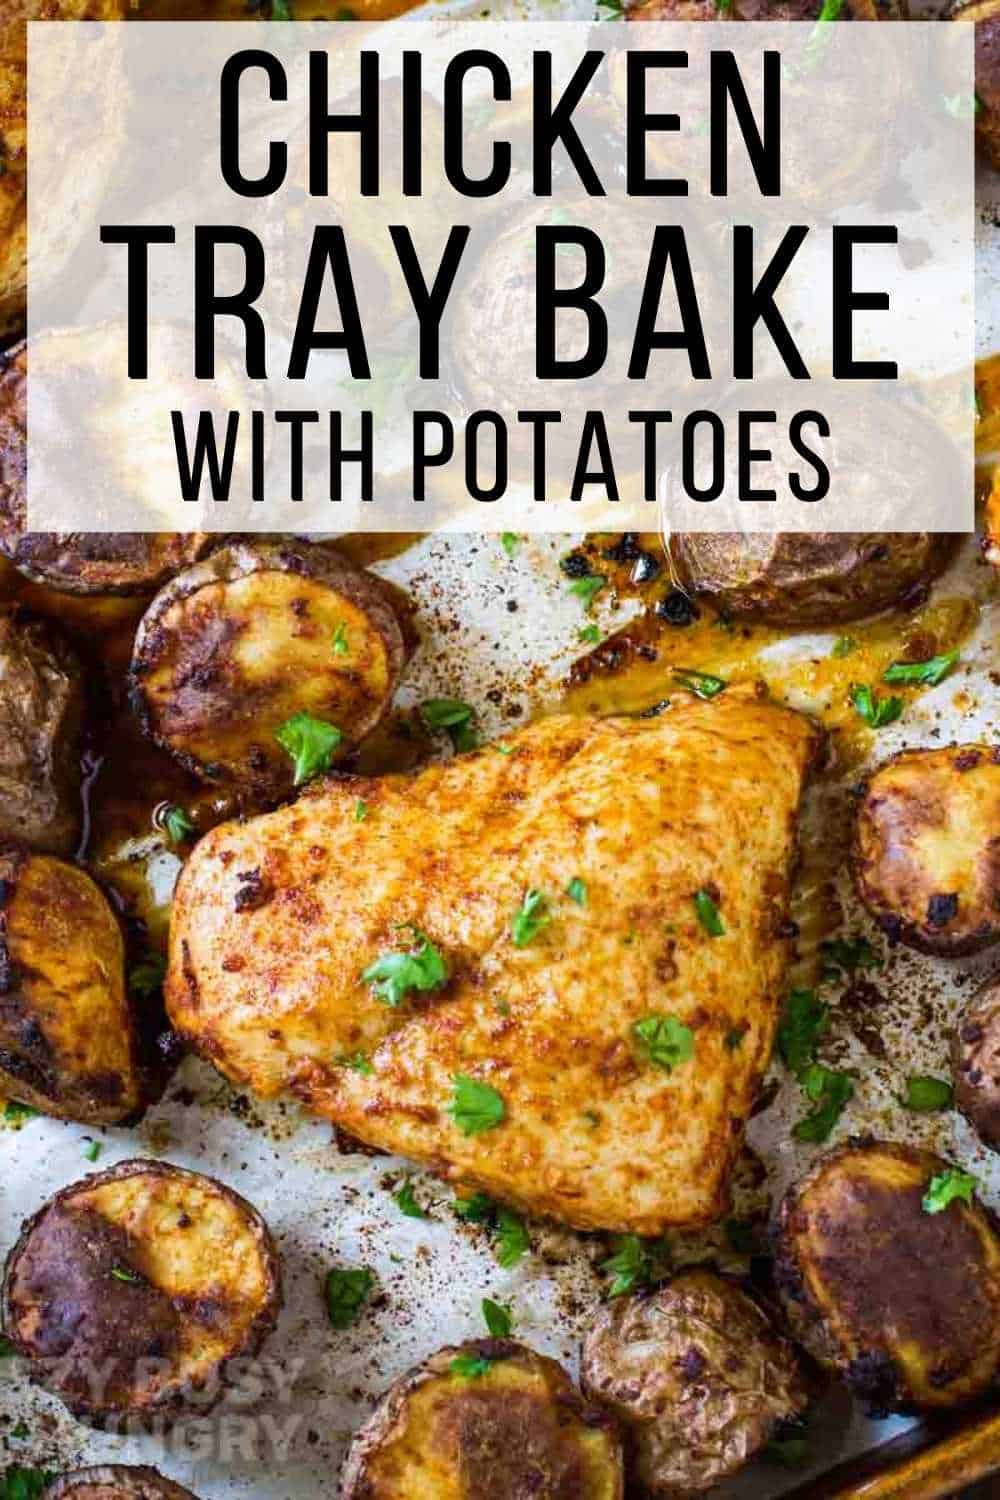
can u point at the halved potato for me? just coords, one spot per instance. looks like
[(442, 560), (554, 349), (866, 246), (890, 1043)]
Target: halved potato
[(131, 1290), (80, 562), (115, 1482), (67, 1044), (904, 1303), (236, 646), (985, 14), (975, 1063), (823, 578), (927, 848), (697, 1375), (486, 1418), (41, 711)]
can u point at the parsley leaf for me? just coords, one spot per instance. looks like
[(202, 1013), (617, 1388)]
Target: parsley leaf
[(925, 673), (475, 1106), (470, 1366), (664, 1040), (702, 684), (497, 1318), (477, 1209), (876, 711), (587, 588), (310, 742), (803, 1021), (635, 1263), (947, 1186), (360, 810), (346, 1292), (281, 10), (848, 955), (577, 891), (407, 1203), (124, 1273), (512, 1238), (844, 645), (591, 634), (708, 913), (829, 1092), (15, 1113), (339, 640), (356, 1061), (393, 975), (926, 1095), (456, 718), (175, 823), (510, 541), (529, 919), (24, 1484), (90, 1150)]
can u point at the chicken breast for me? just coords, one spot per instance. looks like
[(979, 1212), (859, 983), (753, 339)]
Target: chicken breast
[(595, 915)]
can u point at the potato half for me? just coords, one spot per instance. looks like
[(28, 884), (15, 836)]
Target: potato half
[(234, 647), (698, 1377), (41, 713), (131, 1290), (975, 1063), (486, 1418), (115, 1482), (78, 562), (904, 1303), (820, 579), (927, 848), (67, 1043)]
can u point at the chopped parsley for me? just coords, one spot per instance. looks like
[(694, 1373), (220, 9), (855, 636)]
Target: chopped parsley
[(829, 1092), (876, 711), (470, 1366), (407, 1203), (512, 1238), (90, 1150), (346, 1292), (456, 718), (848, 955), (310, 742), (281, 10), (122, 1273), (587, 588), (702, 684), (844, 645), (175, 823), (510, 541), (18, 1483), (708, 913), (498, 1319), (475, 1107), (577, 891), (360, 810), (946, 1187), (15, 1113), (922, 673), (477, 1209), (393, 975), (7, 1349), (804, 1019), (635, 1263), (926, 1095), (339, 640), (591, 634), (146, 976), (529, 919), (664, 1040), (356, 1061)]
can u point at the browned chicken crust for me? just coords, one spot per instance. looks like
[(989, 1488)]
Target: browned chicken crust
[(131, 1290), (985, 14), (67, 1042), (927, 848), (698, 1377), (275, 919), (975, 1063), (41, 710), (115, 1482), (903, 1303), (516, 1429)]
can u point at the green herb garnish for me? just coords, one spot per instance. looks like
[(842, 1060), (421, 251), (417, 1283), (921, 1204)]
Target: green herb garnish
[(529, 919), (926, 1095), (577, 891), (456, 718), (946, 1187), (393, 975), (146, 977), (346, 1292), (848, 955), (90, 1150), (176, 824), (664, 1040), (15, 1113), (922, 673), (587, 588), (635, 1263), (470, 1366), (122, 1273), (477, 1209), (512, 1238), (360, 810), (591, 634), (803, 1021), (339, 639), (407, 1203), (475, 1107), (702, 684), (18, 1483), (844, 645), (310, 742), (829, 1092), (876, 711), (708, 913), (498, 1319), (510, 541), (356, 1061)]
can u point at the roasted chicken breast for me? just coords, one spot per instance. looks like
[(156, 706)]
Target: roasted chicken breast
[(594, 914)]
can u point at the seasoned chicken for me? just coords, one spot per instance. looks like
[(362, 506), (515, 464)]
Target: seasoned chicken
[(608, 898)]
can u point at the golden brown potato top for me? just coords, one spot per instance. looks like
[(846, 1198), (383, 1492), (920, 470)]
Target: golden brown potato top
[(115, 1482), (41, 711), (514, 1428), (927, 847), (975, 1058), (905, 1301)]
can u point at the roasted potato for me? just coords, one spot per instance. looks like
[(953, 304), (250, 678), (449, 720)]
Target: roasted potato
[(927, 848), (232, 648), (698, 1378), (485, 1418), (903, 1302), (67, 1044), (41, 714), (821, 579), (79, 562), (130, 1292), (975, 1063), (985, 14), (115, 1482)]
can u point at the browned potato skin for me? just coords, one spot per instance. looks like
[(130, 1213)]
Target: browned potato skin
[(189, 679), (67, 1043), (986, 16), (520, 1432), (927, 848), (41, 712), (115, 1482), (809, 580), (697, 1376), (160, 1349), (74, 562), (975, 1063), (904, 1304)]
